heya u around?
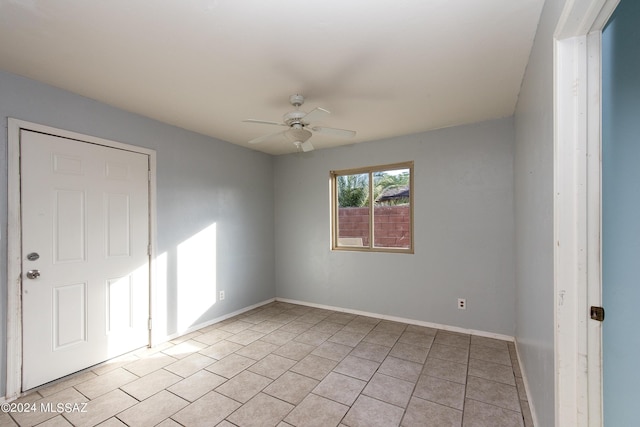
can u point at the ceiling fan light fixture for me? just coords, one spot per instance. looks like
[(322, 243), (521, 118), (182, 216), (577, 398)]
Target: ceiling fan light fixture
[(298, 135)]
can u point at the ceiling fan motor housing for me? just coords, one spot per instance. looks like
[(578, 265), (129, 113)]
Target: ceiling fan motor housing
[(294, 117)]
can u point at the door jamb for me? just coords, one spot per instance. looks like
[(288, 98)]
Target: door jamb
[(14, 238), (577, 207)]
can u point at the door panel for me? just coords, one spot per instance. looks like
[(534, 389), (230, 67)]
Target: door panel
[(69, 315), (85, 211), (119, 304), (70, 234), (117, 213)]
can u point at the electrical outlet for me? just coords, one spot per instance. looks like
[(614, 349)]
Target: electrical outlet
[(221, 297), (462, 304)]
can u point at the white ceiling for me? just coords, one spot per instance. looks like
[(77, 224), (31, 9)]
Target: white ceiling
[(382, 67)]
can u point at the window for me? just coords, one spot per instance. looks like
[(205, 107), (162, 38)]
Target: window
[(372, 208)]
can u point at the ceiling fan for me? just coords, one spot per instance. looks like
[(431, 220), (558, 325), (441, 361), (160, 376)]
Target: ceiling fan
[(299, 126)]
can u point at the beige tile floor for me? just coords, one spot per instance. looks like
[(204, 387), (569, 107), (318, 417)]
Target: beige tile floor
[(290, 365)]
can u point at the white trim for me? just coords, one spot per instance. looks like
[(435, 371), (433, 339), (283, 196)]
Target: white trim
[(14, 270), (577, 263), (211, 322), (527, 389), (580, 17), (14, 273), (569, 227), (153, 241), (401, 320), (593, 294)]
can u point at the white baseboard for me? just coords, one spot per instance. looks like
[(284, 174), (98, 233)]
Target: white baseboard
[(534, 416), (166, 338), (209, 322), (436, 326), (360, 313), (402, 320)]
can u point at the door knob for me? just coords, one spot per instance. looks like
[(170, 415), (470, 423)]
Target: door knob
[(33, 274)]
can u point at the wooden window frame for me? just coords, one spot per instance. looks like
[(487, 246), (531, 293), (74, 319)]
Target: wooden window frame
[(370, 170)]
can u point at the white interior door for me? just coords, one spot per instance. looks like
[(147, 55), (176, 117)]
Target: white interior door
[(85, 262)]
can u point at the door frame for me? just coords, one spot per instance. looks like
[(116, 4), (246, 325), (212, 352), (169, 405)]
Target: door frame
[(577, 211), (14, 237)]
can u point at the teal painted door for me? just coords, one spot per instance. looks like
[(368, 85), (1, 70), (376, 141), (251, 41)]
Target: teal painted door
[(621, 215)]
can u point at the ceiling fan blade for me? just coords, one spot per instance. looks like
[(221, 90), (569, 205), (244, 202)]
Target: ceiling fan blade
[(263, 122), (315, 114), (342, 133), (265, 137)]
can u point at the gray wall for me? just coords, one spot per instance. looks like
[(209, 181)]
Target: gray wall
[(620, 212), (463, 228), (534, 218), (200, 181)]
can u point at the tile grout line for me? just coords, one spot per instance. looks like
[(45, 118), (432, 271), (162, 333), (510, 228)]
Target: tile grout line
[(466, 383), (308, 316)]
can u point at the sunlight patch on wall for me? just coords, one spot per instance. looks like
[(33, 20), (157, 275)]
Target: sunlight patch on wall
[(196, 291)]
